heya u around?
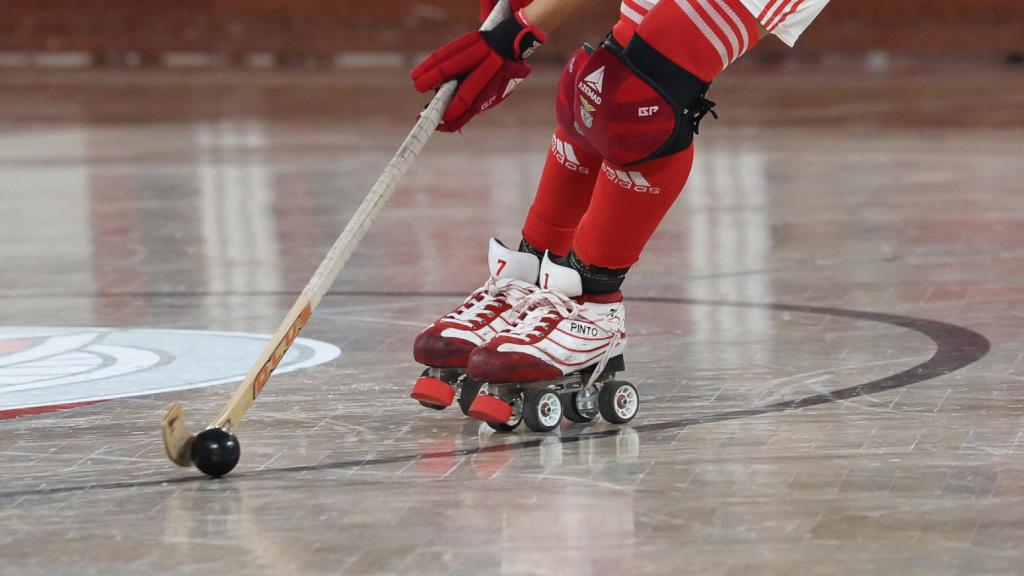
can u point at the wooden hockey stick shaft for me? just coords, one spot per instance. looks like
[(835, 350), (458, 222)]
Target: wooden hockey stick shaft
[(342, 249)]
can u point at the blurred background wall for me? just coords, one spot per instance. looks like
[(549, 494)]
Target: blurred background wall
[(314, 32)]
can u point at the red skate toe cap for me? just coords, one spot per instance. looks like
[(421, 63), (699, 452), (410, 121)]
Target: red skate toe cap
[(433, 391), (487, 364), (433, 349), (488, 408)]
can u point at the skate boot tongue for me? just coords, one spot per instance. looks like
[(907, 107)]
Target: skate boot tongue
[(560, 278), (508, 264)]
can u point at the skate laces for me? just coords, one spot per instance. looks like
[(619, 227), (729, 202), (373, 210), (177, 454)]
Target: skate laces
[(546, 308), (486, 302), (542, 309)]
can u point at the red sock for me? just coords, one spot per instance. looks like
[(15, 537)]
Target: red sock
[(627, 207), (563, 195)]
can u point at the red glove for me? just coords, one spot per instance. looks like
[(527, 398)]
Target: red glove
[(487, 5), (488, 65)]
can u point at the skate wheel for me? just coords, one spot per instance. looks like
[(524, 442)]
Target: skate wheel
[(618, 401), (580, 408), (542, 410), (504, 427), (490, 409), (433, 392), (468, 390)]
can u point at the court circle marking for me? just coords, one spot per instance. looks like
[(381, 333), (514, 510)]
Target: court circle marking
[(956, 348), (43, 369)]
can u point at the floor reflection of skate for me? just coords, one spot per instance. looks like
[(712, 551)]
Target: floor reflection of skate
[(489, 453), (593, 523)]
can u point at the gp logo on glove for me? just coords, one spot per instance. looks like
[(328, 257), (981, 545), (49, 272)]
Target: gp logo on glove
[(489, 66)]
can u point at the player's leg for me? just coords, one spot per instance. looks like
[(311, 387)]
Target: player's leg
[(638, 106), (445, 346), (628, 205), (563, 196), (569, 175), (582, 321), (575, 325)]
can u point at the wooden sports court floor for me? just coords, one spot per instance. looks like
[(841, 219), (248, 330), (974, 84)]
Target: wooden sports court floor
[(826, 333)]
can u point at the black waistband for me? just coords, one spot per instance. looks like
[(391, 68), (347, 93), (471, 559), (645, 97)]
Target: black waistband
[(682, 86)]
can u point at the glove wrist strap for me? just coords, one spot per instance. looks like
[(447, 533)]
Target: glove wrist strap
[(515, 38)]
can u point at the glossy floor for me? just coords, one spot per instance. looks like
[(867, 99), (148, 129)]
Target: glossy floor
[(826, 333)]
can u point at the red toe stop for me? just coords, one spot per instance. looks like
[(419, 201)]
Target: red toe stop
[(490, 409), (433, 391)]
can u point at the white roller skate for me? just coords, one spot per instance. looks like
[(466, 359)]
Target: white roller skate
[(445, 346), (558, 360)]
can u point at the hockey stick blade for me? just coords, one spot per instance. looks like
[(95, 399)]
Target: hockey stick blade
[(177, 437)]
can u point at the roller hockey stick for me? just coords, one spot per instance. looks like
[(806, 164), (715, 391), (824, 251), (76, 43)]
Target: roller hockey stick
[(215, 451)]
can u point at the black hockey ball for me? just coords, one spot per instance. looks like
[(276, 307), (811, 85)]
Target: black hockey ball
[(215, 452)]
